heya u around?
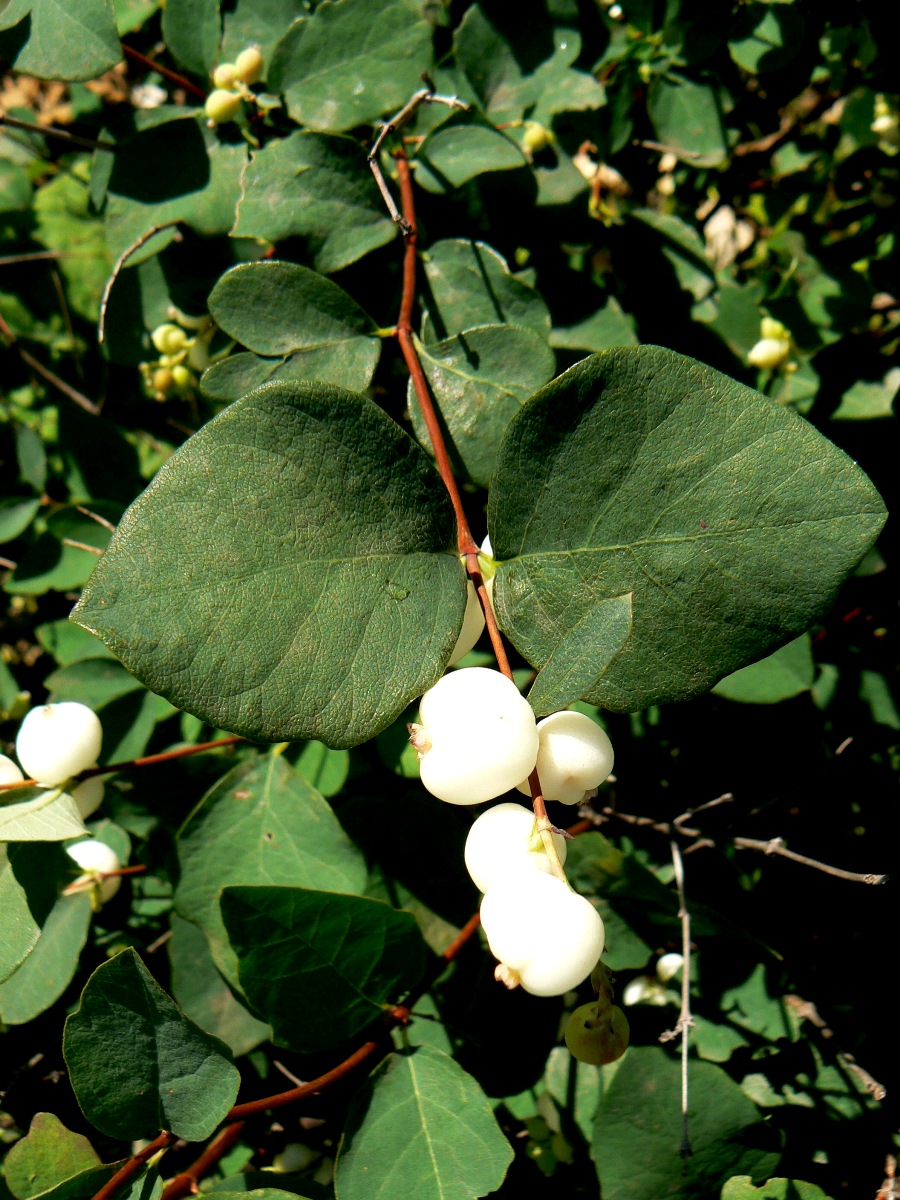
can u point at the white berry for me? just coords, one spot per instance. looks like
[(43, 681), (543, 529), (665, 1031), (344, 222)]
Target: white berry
[(9, 772), (95, 858), (547, 937), (574, 757), (505, 839), (88, 796), (477, 736), (57, 741), (248, 65), (473, 623)]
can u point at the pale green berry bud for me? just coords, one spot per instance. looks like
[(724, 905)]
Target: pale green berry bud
[(225, 76), (222, 106), (168, 338), (248, 65)]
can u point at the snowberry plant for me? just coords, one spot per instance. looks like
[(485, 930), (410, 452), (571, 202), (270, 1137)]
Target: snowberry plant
[(422, 520)]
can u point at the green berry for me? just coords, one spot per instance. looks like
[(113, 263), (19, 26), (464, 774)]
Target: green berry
[(222, 106)]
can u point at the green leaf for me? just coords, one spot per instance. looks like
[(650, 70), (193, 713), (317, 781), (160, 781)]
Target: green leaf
[(741, 1187), (318, 548), (204, 996), (766, 37), (258, 23), (461, 149), (351, 61), (317, 187), (91, 681), (262, 803), (192, 29), (479, 380), (875, 691), (582, 656), (64, 39), (308, 326), (47, 565), (325, 770), (470, 284), (642, 471), (65, 224), (138, 1065), (31, 457), (39, 815), (421, 1126), (319, 966), (686, 118), (786, 673), (640, 1108), (608, 327), (27, 895), (173, 170), (864, 401), (49, 968), (15, 188), (67, 643), (48, 1155), (16, 514)]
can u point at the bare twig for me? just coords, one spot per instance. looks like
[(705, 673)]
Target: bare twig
[(52, 131), (427, 95), (96, 517), (60, 384), (685, 1020), (776, 846), (134, 1165), (119, 264), (663, 149), (82, 546), (9, 260), (185, 1183)]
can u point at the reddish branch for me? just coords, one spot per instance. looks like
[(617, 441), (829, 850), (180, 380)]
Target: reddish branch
[(172, 76), (134, 1165)]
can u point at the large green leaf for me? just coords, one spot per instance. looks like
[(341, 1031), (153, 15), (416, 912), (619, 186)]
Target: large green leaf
[(297, 325), (642, 471), (38, 815), (172, 169), (64, 39), (687, 120), (138, 1065), (479, 379), (741, 1187), (461, 149), (46, 1156), (319, 966), (49, 968), (289, 574), (258, 23), (296, 839), (568, 674), (203, 995), (351, 61), (191, 29), (27, 895), (319, 187), (470, 284), (421, 1126), (641, 1108)]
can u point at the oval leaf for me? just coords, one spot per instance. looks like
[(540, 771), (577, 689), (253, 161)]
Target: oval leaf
[(421, 1126), (288, 573), (138, 1065), (319, 966), (731, 520)]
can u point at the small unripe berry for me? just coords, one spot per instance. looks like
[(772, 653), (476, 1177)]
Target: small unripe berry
[(535, 138), (168, 339), (9, 772), (547, 937), (57, 741), (574, 757), (163, 380), (95, 858), (224, 76), (222, 106), (596, 1036), (769, 353), (505, 839), (182, 377), (248, 65), (477, 736)]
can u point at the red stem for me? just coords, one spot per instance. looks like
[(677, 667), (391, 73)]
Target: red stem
[(185, 1184), (133, 1166), (172, 76)]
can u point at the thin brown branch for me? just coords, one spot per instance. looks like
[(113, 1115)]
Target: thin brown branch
[(150, 760), (66, 388), (172, 76), (685, 1019), (82, 546), (186, 1182), (117, 267), (9, 260), (52, 131), (776, 846), (86, 512), (134, 1165)]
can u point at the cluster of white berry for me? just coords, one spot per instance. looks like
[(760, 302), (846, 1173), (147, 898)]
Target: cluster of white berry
[(55, 743), (183, 355), (232, 86), (477, 738)]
